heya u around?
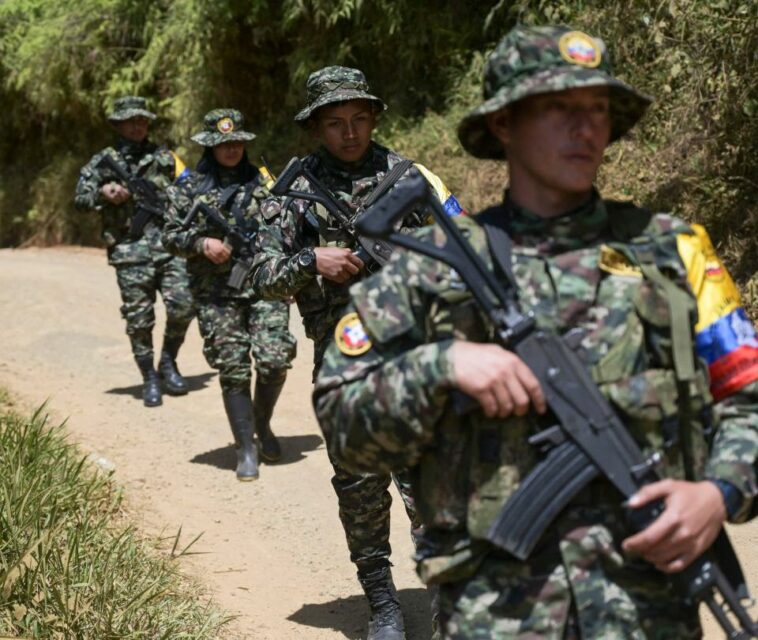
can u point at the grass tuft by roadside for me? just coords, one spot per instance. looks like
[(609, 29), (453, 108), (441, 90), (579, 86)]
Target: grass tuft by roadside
[(71, 566)]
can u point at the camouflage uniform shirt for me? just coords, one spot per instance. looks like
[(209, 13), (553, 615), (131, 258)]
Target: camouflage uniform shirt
[(277, 274), (237, 204), (389, 408), (147, 160)]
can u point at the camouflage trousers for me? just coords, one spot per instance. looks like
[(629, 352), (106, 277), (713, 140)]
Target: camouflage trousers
[(578, 585), (364, 502), (232, 329), (364, 510), (138, 284)]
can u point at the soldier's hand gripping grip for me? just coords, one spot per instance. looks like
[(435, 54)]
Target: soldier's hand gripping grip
[(293, 169)]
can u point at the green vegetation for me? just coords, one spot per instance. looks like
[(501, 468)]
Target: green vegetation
[(70, 566), (61, 65)]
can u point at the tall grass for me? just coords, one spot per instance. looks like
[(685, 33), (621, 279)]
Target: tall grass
[(70, 564)]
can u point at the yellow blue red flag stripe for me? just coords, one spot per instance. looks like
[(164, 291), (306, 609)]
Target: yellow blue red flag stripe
[(724, 336)]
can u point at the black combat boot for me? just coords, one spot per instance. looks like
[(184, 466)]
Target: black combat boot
[(175, 384), (386, 621), (266, 394), (151, 388), (239, 410), (434, 606)]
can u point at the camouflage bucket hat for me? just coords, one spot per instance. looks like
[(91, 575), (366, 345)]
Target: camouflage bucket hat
[(335, 84), (222, 125), (130, 107), (534, 60)]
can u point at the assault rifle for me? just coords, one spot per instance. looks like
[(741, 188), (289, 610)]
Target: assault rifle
[(147, 199), (239, 239), (373, 252), (589, 440)]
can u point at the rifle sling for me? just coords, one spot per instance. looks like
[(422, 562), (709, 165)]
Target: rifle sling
[(500, 243), (227, 195)]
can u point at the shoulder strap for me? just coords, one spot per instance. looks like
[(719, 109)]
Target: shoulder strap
[(227, 194), (388, 181), (499, 242), (681, 305)]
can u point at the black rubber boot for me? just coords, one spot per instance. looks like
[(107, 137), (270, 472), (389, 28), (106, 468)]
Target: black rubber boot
[(239, 410), (266, 394), (386, 621), (151, 388), (173, 381)]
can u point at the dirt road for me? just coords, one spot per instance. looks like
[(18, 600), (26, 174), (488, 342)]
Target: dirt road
[(272, 552)]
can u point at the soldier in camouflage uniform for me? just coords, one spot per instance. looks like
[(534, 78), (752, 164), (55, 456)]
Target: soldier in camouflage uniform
[(233, 322), (305, 254), (142, 265), (630, 283)]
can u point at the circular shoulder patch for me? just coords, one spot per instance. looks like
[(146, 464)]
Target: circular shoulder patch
[(225, 125), (350, 336), (579, 48)]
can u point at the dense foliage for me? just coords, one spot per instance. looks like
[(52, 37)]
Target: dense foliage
[(61, 65)]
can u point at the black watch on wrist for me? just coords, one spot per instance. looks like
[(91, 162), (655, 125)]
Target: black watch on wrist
[(306, 260)]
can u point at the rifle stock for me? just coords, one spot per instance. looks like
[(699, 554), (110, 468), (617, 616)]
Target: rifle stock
[(588, 441)]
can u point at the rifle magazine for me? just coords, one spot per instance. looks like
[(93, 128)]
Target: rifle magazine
[(563, 473)]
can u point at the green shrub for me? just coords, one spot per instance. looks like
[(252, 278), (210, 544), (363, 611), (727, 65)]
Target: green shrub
[(70, 566), (696, 153)]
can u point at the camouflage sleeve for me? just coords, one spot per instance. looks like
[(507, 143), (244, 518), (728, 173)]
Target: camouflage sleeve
[(87, 196), (726, 340), (383, 387), (733, 456), (276, 272), (177, 240)]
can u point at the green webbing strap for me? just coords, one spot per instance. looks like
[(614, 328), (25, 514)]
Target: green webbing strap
[(680, 306)]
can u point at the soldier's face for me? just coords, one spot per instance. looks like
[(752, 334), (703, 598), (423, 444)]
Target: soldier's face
[(345, 129), (229, 154), (554, 144), (133, 129)]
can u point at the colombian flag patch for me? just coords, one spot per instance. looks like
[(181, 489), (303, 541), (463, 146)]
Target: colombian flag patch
[(724, 336)]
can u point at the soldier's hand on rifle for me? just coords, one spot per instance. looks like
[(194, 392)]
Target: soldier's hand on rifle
[(216, 250), (498, 379), (337, 263), (688, 525), (115, 193)]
